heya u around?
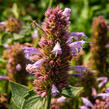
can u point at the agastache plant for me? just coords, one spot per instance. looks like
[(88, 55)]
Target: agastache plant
[(14, 54), (98, 46), (12, 25), (56, 48)]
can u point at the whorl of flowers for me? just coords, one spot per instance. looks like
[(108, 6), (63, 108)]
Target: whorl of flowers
[(16, 63), (51, 61), (98, 46), (12, 25)]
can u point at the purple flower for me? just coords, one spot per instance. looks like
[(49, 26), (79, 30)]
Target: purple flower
[(76, 46), (67, 12), (103, 81), (61, 99), (78, 69), (77, 74), (54, 91), (87, 102), (78, 35), (6, 45), (69, 41), (107, 90), (3, 23), (38, 63), (35, 66), (57, 49), (103, 95), (35, 34), (29, 51), (18, 67), (94, 92), (4, 77)]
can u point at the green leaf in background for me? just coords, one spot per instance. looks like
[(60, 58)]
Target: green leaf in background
[(71, 91), (33, 101), (15, 10), (18, 93)]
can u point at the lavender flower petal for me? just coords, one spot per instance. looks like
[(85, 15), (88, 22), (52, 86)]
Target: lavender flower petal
[(61, 99), (29, 51), (3, 23), (67, 12), (57, 49), (78, 35), (4, 77), (38, 63), (76, 74), (54, 91), (69, 41), (35, 34), (31, 67), (78, 69), (94, 92), (87, 102), (77, 45), (103, 81), (107, 90), (103, 95)]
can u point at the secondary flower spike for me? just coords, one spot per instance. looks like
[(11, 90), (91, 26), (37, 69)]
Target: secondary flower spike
[(51, 60)]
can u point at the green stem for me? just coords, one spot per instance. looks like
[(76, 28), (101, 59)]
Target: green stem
[(48, 101), (50, 4)]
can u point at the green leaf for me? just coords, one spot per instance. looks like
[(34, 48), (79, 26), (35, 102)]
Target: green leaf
[(33, 101), (18, 93), (71, 91), (25, 98)]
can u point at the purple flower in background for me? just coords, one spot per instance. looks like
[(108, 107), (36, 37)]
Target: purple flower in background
[(35, 34), (29, 51), (57, 49), (54, 91), (61, 99), (86, 102), (76, 46), (107, 90), (78, 69), (94, 92), (78, 35), (6, 45), (4, 77), (103, 81), (103, 95), (3, 23), (18, 67), (76, 74), (67, 12)]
